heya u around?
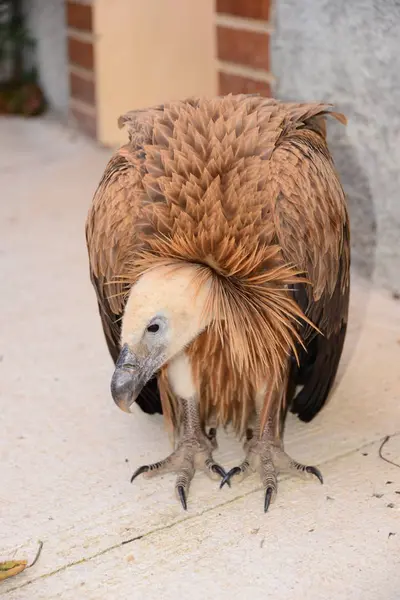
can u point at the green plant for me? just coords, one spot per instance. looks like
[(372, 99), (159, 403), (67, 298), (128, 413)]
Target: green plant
[(19, 88)]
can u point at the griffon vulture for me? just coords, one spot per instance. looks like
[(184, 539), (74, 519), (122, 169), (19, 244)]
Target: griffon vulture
[(218, 241)]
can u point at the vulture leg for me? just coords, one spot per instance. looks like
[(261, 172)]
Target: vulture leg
[(194, 451), (264, 450)]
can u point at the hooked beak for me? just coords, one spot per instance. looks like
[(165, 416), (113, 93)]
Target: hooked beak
[(130, 376)]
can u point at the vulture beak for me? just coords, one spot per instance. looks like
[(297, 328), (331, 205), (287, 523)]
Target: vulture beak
[(130, 376)]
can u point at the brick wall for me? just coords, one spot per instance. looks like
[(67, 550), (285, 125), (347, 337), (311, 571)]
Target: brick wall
[(243, 39), (82, 105)]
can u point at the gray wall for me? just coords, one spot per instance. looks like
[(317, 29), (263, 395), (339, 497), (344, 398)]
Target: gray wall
[(348, 52), (46, 22)]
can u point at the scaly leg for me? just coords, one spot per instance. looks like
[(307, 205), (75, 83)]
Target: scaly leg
[(195, 448), (265, 453)]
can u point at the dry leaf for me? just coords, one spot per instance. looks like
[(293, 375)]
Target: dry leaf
[(10, 568)]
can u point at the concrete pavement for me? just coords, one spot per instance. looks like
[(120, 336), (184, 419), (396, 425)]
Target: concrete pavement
[(67, 453)]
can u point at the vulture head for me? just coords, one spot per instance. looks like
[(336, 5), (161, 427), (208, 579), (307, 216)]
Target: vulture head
[(166, 309)]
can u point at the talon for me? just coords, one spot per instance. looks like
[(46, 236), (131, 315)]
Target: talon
[(212, 434), (221, 472), (268, 495), (315, 472), (227, 478), (249, 434), (139, 471), (182, 497), (218, 469)]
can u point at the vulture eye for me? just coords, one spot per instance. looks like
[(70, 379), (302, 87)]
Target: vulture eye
[(153, 328)]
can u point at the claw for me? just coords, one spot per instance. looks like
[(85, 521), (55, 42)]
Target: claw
[(227, 478), (218, 469), (139, 471), (212, 434), (221, 472), (249, 434), (182, 497), (315, 472), (268, 495)]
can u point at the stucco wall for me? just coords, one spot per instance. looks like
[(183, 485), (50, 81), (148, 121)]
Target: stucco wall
[(46, 21), (348, 53)]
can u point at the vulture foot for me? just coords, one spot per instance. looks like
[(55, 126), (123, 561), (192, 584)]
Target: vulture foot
[(268, 459), (194, 451)]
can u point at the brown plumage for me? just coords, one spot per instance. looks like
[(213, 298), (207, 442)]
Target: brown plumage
[(242, 189)]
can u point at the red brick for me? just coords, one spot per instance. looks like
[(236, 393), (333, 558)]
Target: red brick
[(82, 89), (79, 16), (251, 9), (80, 53), (248, 48), (85, 122), (236, 84)]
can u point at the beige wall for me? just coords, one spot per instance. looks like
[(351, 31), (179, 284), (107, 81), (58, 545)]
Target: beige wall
[(150, 51)]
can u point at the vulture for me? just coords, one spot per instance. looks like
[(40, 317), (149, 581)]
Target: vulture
[(218, 243)]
